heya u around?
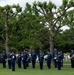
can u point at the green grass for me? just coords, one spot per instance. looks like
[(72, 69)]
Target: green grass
[(66, 70)]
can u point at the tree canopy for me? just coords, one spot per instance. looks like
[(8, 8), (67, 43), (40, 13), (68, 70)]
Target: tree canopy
[(38, 26)]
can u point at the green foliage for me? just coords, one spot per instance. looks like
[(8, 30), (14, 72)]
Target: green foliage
[(65, 40), (34, 26)]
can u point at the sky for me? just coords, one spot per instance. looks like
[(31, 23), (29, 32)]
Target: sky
[(23, 2)]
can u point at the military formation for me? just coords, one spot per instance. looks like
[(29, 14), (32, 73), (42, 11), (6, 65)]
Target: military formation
[(56, 57)]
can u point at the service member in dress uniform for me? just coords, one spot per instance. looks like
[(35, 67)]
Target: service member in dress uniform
[(27, 58), (59, 60), (54, 54), (41, 59), (19, 58), (72, 58), (4, 57), (24, 59), (49, 58), (27, 49), (33, 58), (9, 60), (62, 59), (13, 60)]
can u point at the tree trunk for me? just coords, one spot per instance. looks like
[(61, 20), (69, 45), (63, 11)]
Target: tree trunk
[(51, 44), (7, 38), (52, 36)]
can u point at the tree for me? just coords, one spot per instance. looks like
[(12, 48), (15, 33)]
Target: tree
[(64, 40), (8, 20), (53, 16), (30, 28)]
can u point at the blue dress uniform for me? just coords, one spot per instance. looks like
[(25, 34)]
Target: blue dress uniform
[(19, 58), (41, 59), (62, 59), (9, 60), (27, 62), (33, 57), (54, 54), (49, 58), (13, 59), (24, 58), (4, 57), (59, 60), (72, 59)]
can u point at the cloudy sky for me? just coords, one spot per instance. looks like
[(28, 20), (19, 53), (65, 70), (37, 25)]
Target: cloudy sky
[(22, 2)]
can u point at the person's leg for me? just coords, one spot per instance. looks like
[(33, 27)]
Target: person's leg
[(41, 65), (20, 64), (59, 65), (73, 63), (9, 64)]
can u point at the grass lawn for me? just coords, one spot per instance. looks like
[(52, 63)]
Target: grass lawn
[(66, 70)]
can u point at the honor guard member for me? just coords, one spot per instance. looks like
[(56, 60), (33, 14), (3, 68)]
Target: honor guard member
[(9, 60), (27, 49), (27, 62), (19, 58), (33, 58), (13, 59), (72, 58), (41, 59), (62, 59), (59, 60), (4, 57), (54, 54), (49, 58), (24, 58)]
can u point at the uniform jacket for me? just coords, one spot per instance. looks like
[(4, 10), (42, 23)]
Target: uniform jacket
[(41, 57), (33, 55), (49, 57), (4, 55), (19, 58), (59, 58), (13, 58), (25, 56)]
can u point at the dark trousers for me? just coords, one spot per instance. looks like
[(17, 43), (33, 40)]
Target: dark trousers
[(55, 63), (33, 63), (19, 64), (62, 63), (25, 64), (72, 63), (13, 66), (59, 65), (9, 64), (41, 65), (49, 64), (4, 63)]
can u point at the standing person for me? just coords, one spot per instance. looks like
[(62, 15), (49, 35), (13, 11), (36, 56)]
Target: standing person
[(9, 60), (72, 58), (27, 62), (33, 57), (19, 58), (13, 59), (25, 56), (54, 54), (59, 60), (41, 59), (49, 58), (62, 59), (27, 49), (4, 57)]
